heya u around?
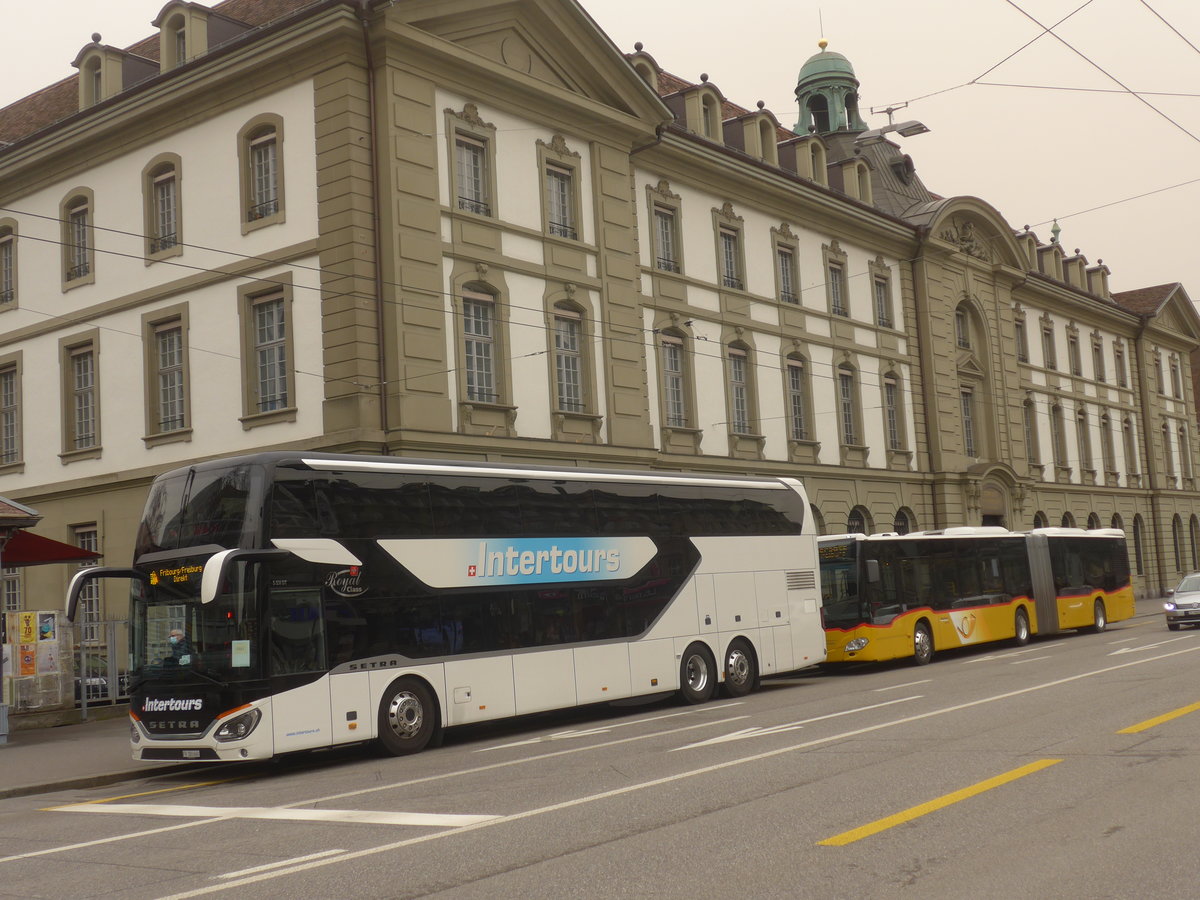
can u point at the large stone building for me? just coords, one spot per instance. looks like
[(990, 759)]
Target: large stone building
[(484, 232)]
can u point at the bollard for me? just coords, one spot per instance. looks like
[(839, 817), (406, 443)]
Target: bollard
[(3, 723)]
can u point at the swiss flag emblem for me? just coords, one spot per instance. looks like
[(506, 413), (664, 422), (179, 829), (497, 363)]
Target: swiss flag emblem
[(470, 571)]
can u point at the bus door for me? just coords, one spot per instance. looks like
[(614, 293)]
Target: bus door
[(296, 662), (1042, 575)]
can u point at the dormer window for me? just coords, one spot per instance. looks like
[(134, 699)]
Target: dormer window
[(176, 40), (711, 117), (95, 82)]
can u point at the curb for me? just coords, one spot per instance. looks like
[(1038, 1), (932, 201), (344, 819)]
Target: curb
[(89, 781)]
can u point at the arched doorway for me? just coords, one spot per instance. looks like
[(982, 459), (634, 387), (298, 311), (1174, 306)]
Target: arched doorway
[(993, 504)]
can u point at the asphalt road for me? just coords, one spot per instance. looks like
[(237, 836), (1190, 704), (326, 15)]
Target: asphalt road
[(1063, 769)]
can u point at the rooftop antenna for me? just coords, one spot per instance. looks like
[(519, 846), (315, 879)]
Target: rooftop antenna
[(821, 22)]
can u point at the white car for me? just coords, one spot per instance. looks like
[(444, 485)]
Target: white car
[(1183, 603)]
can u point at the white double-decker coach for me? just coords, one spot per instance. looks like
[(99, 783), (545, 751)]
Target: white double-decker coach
[(287, 601)]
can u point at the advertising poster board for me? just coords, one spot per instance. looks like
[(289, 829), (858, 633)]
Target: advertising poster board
[(26, 627), (47, 658), (26, 659), (47, 627)]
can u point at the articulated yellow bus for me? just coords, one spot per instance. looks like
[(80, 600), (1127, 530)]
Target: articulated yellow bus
[(888, 596)]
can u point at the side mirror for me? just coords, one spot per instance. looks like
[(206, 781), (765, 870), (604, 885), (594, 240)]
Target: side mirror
[(1170, 592), (218, 565), (872, 571), (81, 578)]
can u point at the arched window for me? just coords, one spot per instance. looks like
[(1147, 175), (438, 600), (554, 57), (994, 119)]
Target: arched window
[(1116, 522), (1040, 520), (1093, 521), (859, 521), (1068, 520), (903, 523), (766, 137), (1177, 541), (1194, 539), (818, 107), (817, 519), (817, 159), (1139, 560), (260, 157), (962, 328)]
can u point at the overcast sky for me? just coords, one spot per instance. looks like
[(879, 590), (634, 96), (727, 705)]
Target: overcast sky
[(1035, 153)]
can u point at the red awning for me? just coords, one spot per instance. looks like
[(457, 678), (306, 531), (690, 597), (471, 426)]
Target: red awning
[(25, 548)]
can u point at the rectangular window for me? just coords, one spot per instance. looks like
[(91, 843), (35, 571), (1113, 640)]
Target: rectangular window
[(731, 276), (270, 354), (1119, 365), (667, 257), (1022, 343), (10, 416), (1107, 448), (471, 161), (796, 397), (738, 393), (1073, 354), (883, 303), (846, 408), (78, 220), (1049, 353), (1031, 445), (83, 398), (1098, 361), (568, 363), (785, 262), (168, 345), (479, 347), (264, 177), (962, 335), (837, 291), (1160, 383), (87, 538), (165, 208), (8, 273), (1176, 386), (967, 398), (674, 400), (11, 576), (560, 199), (891, 411)]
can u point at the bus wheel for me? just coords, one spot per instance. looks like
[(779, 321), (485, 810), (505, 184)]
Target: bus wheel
[(1173, 626), (922, 644), (1021, 627), (741, 671), (1099, 618), (407, 717), (697, 674)]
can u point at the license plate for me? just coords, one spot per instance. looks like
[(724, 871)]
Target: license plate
[(191, 754)]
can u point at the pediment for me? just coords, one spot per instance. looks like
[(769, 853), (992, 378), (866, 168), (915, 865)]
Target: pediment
[(1179, 316), (552, 41), (968, 365)]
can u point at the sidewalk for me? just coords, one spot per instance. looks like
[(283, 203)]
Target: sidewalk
[(87, 754)]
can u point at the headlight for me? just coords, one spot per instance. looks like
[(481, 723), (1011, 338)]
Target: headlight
[(239, 726), (134, 735), (856, 644), (1169, 606)]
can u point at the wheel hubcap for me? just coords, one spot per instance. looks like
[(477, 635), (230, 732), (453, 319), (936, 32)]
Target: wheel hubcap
[(921, 643), (405, 715), (738, 667), (697, 673)]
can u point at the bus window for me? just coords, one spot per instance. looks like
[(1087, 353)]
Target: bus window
[(297, 634)]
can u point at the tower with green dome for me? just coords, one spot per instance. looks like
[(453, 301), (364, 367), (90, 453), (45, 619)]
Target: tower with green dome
[(827, 92)]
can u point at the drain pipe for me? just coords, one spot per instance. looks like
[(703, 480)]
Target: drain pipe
[(364, 10)]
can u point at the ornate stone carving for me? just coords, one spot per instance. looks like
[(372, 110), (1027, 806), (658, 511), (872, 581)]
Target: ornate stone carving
[(470, 115), (663, 189), (961, 233), (726, 212), (558, 146)]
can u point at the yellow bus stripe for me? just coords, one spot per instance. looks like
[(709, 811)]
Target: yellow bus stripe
[(1158, 720), (857, 834)]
